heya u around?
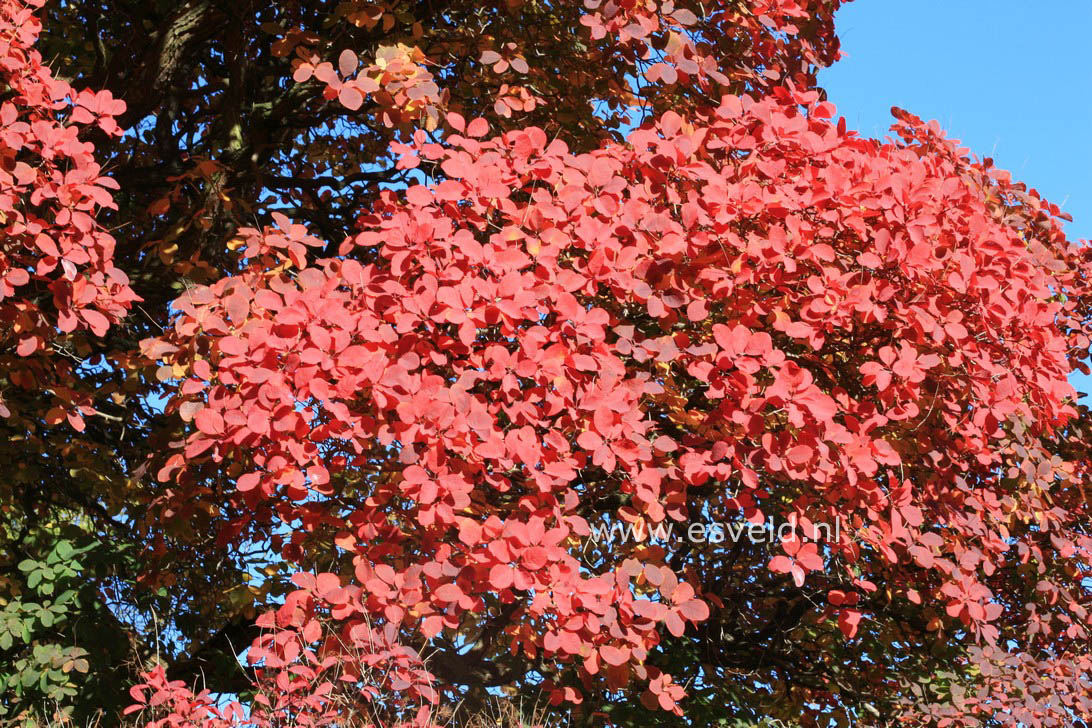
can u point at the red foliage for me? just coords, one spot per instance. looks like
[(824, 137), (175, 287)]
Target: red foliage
[(749, 307), (162, 703), (57, 274), (852, 313)]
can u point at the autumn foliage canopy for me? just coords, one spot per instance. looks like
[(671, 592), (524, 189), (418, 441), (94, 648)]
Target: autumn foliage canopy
[(366, 378)]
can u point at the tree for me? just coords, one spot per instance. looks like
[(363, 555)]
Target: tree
[(449, 308), (59, 291)]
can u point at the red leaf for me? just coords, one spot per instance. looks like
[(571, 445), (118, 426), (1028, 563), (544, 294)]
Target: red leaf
[(781, 564), (819, 404), (350, 97), (684, 17), (589, 440), (500, 576), (848, 621), (238, 308), (477, 128), (448, 593), (209, 421), (46, 245), (614, 655), (99, 324), (456, 121), (27, 346), (347, 63), (695, 610), (535, 558), (808, 557), (432, 626), (674, 623), (248, 482), (799, 454), (602, 172), (326, 583)]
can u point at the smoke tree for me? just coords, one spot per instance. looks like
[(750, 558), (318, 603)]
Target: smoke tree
[(621, 265)]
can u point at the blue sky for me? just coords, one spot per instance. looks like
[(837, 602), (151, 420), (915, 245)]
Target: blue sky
[(1009, 78)]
